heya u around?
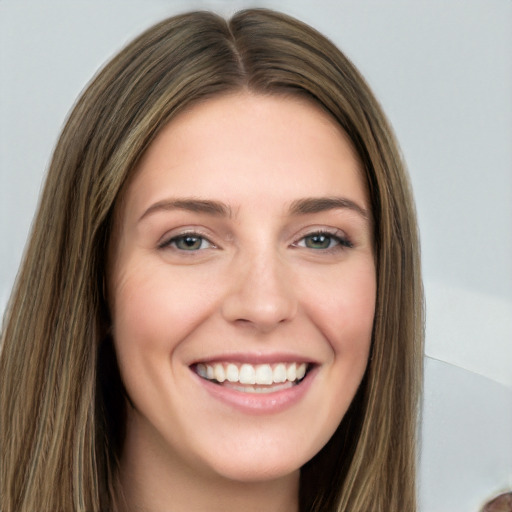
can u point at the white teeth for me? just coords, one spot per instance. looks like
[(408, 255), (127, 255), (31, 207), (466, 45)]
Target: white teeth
[(291, 372), (280, 373), (232, 373), (264, 374), (248, 374), (267, 389), (219, 373)]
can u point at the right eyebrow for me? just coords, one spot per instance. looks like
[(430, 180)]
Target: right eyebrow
[(321, 204), (209, 207)]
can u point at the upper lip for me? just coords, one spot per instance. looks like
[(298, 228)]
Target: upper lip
[(255, 358)]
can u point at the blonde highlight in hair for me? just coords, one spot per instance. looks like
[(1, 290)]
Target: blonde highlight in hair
[(61, 397)]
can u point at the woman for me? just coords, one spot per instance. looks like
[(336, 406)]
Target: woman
[(216, 180)]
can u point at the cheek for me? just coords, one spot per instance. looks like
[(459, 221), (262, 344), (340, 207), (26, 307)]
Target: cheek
[(344, 308), (155, 309)]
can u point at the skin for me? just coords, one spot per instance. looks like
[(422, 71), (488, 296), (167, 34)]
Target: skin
[(255, 283)]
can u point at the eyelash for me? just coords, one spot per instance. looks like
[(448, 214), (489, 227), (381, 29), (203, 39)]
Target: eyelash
[(340, 242), (172, 242)]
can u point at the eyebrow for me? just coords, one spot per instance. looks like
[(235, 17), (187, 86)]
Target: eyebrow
[(321, 204), (216, 208), (303, 206)]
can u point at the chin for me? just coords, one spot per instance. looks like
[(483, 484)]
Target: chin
[(260, 464), (258, 471)]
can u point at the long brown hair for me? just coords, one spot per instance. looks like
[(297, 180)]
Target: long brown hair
[(61, 402)]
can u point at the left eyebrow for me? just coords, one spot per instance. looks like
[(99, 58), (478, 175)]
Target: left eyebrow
[(215, 208), (321, 204)]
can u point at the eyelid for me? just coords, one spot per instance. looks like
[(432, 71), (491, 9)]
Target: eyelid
[(344, 241), (169, 238)]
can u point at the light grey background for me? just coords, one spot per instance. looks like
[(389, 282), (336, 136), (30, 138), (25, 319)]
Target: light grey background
[(443, 72)]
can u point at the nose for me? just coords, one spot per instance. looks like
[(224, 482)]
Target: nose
[(260, 293)]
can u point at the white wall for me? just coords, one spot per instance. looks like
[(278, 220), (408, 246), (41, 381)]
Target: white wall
[(443, 72)]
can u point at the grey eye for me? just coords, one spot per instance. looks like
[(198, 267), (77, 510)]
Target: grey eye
[(320, 241), (189, 242)]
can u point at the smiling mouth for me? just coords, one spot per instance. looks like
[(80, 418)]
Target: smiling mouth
[(249, 378)]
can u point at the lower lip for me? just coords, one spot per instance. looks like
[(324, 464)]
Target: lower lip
[(260, 403)]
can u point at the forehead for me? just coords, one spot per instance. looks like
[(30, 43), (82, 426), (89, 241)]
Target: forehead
[(251, 145)]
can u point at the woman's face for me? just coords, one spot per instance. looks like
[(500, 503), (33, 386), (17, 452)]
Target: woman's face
[(243, 259)]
